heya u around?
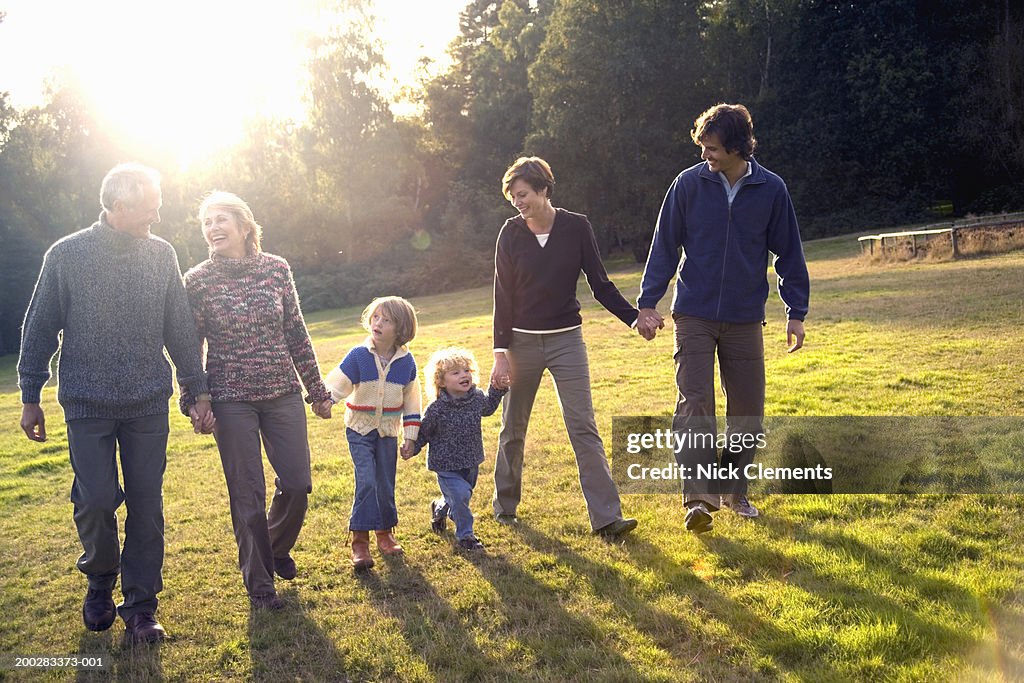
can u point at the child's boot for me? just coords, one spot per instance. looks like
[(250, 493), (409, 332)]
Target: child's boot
[(361, 559), (387, 543)]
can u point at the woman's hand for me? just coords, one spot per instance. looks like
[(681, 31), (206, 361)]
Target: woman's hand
[(501, 373), (323, 408)]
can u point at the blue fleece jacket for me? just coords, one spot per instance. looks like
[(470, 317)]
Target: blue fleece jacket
[(724, 262)]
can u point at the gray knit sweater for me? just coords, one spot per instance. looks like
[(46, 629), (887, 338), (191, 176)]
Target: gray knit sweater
[(452, 428), (115, 301)]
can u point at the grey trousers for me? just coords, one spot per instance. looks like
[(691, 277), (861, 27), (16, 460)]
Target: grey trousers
[(740, 350), (96, 494), (261, 536), (564, 354)]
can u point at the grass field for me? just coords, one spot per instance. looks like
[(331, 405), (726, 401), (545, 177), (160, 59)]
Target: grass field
[(882, 587)]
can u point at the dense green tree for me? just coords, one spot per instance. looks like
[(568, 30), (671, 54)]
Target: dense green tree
[(616, 87)]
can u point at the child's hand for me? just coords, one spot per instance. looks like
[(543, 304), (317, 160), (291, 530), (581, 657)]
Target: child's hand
[(323, 408), (406, 451)]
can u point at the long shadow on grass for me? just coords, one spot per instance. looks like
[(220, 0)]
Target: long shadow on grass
[(710, 604), (123, 663), (555, 643), (288, 645), (430, 627)]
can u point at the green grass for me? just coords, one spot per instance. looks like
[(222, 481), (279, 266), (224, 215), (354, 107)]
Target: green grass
[(901, 588)]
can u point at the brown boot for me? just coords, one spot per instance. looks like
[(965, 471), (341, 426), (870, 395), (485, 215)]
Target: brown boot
[(387, 543), (361, 559)]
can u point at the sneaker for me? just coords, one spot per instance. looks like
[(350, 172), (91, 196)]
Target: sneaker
[(98, 609), (506, 519), (740, 505), (613, 531), (698, 519), (285, 567), (471, 543), (270, 601), (438, 516), (143, 627)]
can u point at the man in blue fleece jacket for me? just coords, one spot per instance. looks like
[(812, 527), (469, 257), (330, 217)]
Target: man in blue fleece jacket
[(725, 214)]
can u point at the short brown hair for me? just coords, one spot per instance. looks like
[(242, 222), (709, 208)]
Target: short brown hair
[(401, 312), (534, 170), (443, 360), (733, 126)]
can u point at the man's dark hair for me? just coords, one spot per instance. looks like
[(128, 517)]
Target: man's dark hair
[(733, 126)]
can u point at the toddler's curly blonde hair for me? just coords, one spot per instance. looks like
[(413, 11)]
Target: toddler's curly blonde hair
[(443, 360)]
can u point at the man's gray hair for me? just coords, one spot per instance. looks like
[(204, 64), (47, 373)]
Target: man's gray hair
[(127, 182)]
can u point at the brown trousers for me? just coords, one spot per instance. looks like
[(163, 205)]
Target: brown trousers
[(740, 350), (261, 536)]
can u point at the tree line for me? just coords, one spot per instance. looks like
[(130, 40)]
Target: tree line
[(874, 113)]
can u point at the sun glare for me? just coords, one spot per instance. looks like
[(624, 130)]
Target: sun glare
[(181, 79)]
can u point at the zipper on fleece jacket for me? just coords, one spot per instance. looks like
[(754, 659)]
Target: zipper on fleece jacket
[(725, 256)]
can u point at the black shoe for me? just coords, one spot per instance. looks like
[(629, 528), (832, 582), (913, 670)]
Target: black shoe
[(472, 543), (506, 519), (438, 516), (698, 519), (271, 601), (285, 567), (98, 611), (143, 628), (619, 527)]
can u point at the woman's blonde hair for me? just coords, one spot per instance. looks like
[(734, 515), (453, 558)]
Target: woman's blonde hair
[(242, 213), (443, 360), (401, 312)]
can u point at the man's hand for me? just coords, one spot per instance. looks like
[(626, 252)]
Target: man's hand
[(202, 416), (648, 322), (33, 422), (795, 328), (501, 373)]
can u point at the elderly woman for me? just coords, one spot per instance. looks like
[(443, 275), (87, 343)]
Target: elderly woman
[(537, 326), (247, 310)]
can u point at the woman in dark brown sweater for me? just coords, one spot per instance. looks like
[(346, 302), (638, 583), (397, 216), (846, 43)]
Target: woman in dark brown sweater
[(537, 326)]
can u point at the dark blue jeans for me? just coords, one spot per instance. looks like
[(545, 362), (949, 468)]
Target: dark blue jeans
[(374, 458)]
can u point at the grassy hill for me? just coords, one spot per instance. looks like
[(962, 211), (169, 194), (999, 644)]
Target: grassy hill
[(819, 588)]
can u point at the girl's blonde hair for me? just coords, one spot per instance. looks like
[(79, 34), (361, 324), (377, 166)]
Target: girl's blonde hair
[(401, 312), (443, 360)]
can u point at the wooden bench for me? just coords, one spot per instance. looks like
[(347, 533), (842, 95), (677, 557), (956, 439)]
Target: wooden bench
[(867, 242)]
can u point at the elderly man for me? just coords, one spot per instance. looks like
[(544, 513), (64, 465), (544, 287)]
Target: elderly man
[(111, 298)]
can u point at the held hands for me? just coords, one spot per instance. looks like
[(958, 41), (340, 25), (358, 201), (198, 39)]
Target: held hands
[(33, 422), (323, 408), (648, 322), (501, 373), (202, 416), (406, 451), (795, 328)]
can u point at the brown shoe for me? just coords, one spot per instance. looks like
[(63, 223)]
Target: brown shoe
[(387, 544), (98, 609), (143, 628), (270, 601), (361, 560)]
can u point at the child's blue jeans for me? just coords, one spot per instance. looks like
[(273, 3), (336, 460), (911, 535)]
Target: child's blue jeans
[(457, 488), (375, 459)]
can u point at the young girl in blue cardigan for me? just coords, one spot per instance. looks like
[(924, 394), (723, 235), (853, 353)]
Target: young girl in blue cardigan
[(379, 380)]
